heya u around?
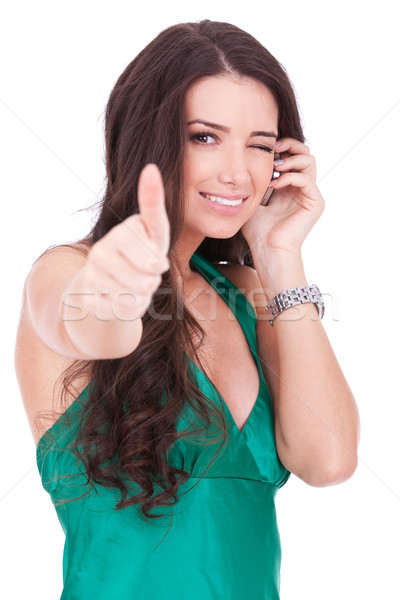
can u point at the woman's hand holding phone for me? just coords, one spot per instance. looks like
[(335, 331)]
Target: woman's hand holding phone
[(293, 209)]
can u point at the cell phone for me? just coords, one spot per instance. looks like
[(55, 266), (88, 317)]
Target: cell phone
[(270, 191)]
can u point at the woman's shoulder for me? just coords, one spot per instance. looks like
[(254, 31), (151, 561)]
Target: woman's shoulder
[(52, 265), (79, 249)]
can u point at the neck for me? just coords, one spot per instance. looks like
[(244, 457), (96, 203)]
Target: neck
[(183, 251)]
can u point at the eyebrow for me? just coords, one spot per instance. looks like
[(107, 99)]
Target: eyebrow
[(227, 129)]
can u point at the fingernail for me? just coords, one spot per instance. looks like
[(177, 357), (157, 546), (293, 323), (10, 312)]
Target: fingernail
[(278, 162)]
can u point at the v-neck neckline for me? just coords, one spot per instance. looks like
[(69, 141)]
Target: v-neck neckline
[(227, 409), (208, 380)]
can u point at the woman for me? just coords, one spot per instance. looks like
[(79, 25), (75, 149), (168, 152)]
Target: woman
[(181, 410)]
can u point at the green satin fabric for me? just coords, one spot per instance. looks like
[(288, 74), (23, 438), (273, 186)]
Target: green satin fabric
[(220, 541)]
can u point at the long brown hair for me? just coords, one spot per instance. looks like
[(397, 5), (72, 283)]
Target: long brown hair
[(129, 434)]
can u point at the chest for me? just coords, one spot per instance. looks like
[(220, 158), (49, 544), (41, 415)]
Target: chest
[(225, 354)]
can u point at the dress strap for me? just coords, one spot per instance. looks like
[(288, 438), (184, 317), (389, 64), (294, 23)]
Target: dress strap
[(235, 299)]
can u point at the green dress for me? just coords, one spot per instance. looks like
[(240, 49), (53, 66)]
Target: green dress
[(222, 542)]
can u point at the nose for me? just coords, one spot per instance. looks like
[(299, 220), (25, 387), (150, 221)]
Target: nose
[(233, 168)]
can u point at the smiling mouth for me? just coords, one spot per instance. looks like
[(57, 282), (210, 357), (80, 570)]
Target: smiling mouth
[(224, 201)]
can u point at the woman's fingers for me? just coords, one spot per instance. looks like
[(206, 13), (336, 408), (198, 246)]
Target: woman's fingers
[(132, 241), (118, 270), (291, 145), (299, 180), (298, 162)]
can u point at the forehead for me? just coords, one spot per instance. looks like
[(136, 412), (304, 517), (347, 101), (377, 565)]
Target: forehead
[(220, 95)]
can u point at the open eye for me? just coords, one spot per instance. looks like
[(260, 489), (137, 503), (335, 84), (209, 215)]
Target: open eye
[(202, 137)]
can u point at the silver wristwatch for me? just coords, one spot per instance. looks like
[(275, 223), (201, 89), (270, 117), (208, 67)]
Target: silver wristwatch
[(294, 296)]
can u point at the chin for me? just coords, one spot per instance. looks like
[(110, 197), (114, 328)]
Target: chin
[(222, 234)]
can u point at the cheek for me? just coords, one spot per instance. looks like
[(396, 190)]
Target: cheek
[(197, 168), (262, 174)]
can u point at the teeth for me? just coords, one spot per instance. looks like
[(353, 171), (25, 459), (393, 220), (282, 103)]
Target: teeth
[(224, 201)]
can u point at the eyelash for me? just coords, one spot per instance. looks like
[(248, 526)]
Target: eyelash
[(194, 136)]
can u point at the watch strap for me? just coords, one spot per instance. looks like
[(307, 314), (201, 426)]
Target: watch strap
[(293, 297)]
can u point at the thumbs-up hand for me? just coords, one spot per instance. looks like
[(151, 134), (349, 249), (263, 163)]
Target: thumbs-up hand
[(125, 266)]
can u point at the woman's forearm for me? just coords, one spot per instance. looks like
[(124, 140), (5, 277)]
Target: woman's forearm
[(92, 334), (317, 422)]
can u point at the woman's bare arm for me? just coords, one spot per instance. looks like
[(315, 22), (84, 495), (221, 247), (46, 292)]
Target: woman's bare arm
[(52, 303), (316, 417), (92, 307)]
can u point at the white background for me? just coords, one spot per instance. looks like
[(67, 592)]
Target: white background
[(60, 61)]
